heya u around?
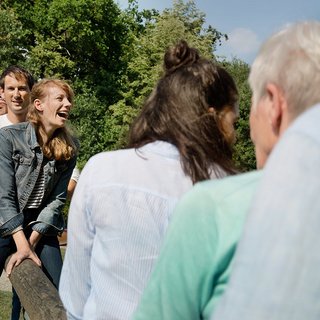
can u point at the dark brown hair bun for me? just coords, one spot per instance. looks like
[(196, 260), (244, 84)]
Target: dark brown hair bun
[(178, 56)]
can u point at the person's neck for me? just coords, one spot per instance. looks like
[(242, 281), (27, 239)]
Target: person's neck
[(45, 134), (16, 118)]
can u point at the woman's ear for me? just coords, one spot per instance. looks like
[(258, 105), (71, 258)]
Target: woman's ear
[(211, 110), (38, 105)]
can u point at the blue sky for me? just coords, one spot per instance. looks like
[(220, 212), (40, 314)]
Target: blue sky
[(247, 22)]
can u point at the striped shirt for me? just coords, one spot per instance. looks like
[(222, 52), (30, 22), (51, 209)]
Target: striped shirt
[(37, 194)]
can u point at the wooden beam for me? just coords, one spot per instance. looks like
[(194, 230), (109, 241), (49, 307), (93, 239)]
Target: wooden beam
[(37, 294)]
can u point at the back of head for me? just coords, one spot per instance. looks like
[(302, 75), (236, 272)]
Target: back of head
[(177, 111), (290, 60), (19, 73)]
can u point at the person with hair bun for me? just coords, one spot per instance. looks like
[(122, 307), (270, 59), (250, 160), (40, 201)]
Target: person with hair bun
[(124, 199), (36, 161)]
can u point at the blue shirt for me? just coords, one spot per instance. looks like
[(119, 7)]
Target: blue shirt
[(119, 214), (276, 270)]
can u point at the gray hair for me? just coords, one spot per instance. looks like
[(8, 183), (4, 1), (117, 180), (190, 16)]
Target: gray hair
[(290, 59)]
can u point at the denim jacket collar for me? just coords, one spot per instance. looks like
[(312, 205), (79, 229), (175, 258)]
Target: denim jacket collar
[(32, 136)]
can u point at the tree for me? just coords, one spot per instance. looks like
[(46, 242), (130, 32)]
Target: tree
[(83, 41), (87, 38), (244, 155), (112, 58), (183, 21), (12, 36), (79, 40)]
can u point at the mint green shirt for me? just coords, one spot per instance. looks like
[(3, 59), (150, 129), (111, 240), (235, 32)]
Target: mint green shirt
[(195, 263)]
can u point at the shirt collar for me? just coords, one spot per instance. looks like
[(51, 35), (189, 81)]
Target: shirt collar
[(31, 133), (161, 148)]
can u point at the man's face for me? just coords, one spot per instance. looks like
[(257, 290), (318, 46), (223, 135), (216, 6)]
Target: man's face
[(261, 131), (3, 105), (16, 94)]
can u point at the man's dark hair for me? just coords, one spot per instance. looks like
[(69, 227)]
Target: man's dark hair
[(19, 73)]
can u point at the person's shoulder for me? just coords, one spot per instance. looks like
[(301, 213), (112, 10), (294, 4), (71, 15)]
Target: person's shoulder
[(4, 121), (221, 202), (233, 190), (14, 129), (106, 155), (107, 159), (225, 187), (17, 126), (22, 125), (307, 124), (299, 142)]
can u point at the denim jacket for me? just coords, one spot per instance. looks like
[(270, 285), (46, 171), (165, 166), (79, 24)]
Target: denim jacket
[(20, 163)]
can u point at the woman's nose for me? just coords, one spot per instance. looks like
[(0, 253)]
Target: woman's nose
[(67, 103)]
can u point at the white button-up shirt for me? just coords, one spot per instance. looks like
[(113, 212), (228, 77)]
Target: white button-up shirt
[(117, 220)]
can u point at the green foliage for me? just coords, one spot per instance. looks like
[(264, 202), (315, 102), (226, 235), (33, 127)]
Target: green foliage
[(183, 21), (112, 58), (5, 305), (117, 123), (86, 42), (87, 37), (88, 119), (79, 40), (244, 155), (46, 59), (12, 34)]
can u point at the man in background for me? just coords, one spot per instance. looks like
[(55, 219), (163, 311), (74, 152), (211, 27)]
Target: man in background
[(16, 84), (15, 88)]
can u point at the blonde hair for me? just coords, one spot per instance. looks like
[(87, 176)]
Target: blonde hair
[(61, 146)]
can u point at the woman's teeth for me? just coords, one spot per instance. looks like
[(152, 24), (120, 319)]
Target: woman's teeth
[(63, 114)]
